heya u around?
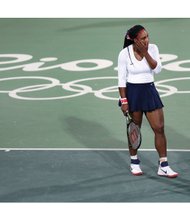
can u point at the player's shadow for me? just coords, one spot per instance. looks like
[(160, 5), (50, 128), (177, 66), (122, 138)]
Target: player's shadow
[(176, 139), (91, 134)]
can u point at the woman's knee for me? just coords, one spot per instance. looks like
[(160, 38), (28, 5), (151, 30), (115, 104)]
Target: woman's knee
[(159, 128)]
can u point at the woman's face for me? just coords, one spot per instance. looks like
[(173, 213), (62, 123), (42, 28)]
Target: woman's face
[(143, 37)]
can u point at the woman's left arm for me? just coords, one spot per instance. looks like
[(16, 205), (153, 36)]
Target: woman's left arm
[(152, 62), (155, 56)]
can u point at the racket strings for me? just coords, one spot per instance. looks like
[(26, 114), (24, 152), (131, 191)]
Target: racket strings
[(134, 135)]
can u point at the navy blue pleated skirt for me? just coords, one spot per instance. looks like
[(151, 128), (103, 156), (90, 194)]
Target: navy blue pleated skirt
[(143, 97)]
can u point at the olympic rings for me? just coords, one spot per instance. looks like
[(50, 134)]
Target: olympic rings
[(80, 87)]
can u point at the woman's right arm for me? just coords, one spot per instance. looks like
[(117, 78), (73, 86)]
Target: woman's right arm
[(123, 99), (122, 79)]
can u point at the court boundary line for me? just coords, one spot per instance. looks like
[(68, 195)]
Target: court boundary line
[(84, 149)]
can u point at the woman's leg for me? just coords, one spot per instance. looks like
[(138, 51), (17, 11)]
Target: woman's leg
[(156, 121)]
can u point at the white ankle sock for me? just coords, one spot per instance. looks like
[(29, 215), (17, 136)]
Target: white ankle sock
[(162, 159), (134, 157)]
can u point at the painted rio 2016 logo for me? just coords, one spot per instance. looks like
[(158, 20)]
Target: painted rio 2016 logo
[(80, 86)]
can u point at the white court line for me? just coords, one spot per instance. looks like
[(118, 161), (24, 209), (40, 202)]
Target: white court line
[(85, 149)]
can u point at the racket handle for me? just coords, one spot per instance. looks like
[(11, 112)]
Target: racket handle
[(127, 115)]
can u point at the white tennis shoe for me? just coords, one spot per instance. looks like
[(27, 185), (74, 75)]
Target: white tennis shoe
[(135, 167), (165, 170)]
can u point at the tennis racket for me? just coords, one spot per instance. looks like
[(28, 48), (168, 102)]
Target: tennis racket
[(133, 132)]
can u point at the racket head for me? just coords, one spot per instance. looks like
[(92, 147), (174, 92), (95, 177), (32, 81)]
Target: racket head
[(133, 132), (134, 135)]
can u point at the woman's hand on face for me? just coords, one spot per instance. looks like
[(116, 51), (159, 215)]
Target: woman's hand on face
[(141, 46)]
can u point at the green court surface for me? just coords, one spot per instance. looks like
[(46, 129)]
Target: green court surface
[(62, 133)]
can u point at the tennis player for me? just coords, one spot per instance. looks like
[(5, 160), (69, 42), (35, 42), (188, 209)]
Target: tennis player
[(138, 61)]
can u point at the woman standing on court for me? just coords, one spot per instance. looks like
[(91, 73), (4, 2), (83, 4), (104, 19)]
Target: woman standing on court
[(138, 61)]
